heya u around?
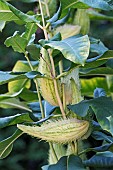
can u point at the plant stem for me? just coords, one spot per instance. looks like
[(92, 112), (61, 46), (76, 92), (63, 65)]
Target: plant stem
[(53, 66), (37, 88), (63, 85), (53, 151), (74, 148)]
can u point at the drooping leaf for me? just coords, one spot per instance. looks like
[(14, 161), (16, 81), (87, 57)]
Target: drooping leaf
[(67, 163), (28, 95), (17, 42), (94, 15), (7, 144), (17, 85), (97, 71), (100, 4), (97, 47), (103, 109), (34, 50), (14, 103), (12, 120), (33, 74), (75, 49), (68, 30), (23, 17), (6, 77), (103, 148), (30, 29), (99, 60), (6, 14), (35, 107), (102, 160), (9, 95), (102, 136)]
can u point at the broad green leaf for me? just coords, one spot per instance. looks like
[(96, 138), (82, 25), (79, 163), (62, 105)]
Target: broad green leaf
[(34, 50), (7, 144), (75, 49), (17, 85), (100, 60), (30, 29), (97, 71), (6, 77), (68, 163), (102, 160), (2, 25), (94, 15), (101, 136), (102, 107), (100, 4), (34, 74), (68, 30), (9, 95), (6, 14), (13, 120), (13, 103), (18, 13), (103, 148), (75, 162), (28, 95), (17, 42), (89, 85), (35, 107)]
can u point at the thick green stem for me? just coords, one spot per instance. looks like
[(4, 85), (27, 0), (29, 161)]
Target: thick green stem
[(53, 152), (63, 85), (53, 66)]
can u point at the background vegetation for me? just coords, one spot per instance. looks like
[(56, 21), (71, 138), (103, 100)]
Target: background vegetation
[(27, 153)]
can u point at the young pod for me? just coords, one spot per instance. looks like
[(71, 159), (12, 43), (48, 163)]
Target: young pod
[(59, 131)]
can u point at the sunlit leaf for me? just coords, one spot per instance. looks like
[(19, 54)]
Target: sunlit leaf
[(75, 49), (12, 120), (7, 144), (100, 4), (13, 103)]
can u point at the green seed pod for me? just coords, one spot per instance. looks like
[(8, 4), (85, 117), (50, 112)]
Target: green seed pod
[(82, 19), (67, 30), (72, 87), (60, 131), (46, 85)]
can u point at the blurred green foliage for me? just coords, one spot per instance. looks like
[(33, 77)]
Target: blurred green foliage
[(28, 153)]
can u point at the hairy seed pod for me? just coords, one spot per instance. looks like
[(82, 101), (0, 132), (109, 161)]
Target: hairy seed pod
[(59, 131), (46, 85)]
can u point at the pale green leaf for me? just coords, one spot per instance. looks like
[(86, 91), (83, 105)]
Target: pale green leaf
[(7, 144), (2, 25), (13, 103), (13, 120), (100, 4), (75, 48)]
